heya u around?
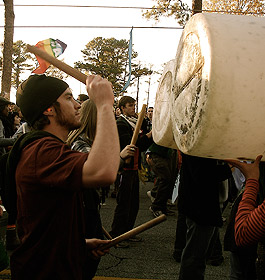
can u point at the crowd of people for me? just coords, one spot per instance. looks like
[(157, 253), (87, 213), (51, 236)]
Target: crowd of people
[(61, 154)]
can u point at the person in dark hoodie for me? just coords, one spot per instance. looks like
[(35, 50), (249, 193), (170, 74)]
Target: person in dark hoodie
[(47, 177), (128, 190), (198, 200)]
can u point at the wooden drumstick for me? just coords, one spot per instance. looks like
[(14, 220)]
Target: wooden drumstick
[(58, 63), (135, 231), (108, 236), (137, 128)]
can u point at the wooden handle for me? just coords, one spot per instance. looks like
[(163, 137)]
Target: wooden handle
[(107, 235), (59, 64), (135, 231), (138, 125), (137, 128)]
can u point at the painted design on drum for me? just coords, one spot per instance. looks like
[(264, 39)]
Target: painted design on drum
[(189, 92)]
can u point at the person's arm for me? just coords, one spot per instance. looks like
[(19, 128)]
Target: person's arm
[(102, 164), (5, 142), (125, 133), (145, 141), (127, 152), (250, 219), (95, 251)]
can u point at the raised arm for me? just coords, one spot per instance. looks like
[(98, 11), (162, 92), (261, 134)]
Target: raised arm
[(250, 219), (102, 164)]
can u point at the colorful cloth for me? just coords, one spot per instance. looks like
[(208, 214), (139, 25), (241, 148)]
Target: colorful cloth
[(53, 48)]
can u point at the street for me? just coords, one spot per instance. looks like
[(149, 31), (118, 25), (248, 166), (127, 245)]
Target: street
[(151, 258), (148, 259)]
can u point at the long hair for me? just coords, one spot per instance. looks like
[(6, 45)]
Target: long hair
[(7, 123), (88, 118)]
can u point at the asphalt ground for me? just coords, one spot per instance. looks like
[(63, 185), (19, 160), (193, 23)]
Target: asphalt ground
[(151, 258), (148, 259)]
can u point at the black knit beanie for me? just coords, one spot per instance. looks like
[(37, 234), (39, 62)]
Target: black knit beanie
[(37, 94)]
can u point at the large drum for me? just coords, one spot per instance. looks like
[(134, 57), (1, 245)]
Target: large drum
[(218, 95), (162, 129)]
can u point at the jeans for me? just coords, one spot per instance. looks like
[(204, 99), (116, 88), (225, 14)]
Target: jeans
[(193, 260), (164, 181)]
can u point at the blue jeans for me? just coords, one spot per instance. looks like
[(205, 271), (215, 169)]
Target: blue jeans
[(193, 259)]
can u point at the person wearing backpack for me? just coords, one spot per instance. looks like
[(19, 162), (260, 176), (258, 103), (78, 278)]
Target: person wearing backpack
[(46, 178)]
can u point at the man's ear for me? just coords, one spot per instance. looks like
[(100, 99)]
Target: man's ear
[(48, 112)]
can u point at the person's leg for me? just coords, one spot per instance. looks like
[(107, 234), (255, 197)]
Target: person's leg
[(248, 264), (180, 239), (124, 201), (133, 211), (164, 182), (215, 256), (235, 267), (193, 260)]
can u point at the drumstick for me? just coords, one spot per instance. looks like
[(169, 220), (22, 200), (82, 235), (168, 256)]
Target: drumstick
[(137, 128), (138, 125), (58, 63), (135, 231), (108, 236)]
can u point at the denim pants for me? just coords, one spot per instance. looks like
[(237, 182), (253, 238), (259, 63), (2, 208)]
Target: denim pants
[(193, 259), (164, 184)]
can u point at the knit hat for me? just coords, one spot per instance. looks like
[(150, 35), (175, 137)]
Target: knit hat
[(37, 94)]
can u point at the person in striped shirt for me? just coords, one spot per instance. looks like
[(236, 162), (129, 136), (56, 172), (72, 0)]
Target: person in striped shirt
[(250, 217)]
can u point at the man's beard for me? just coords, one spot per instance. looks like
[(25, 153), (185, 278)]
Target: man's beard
[(63, 121), (66, 123)]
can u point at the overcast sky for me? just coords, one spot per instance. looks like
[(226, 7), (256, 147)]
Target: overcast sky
[(154, 46)]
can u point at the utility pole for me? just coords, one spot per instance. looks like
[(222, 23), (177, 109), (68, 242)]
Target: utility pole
[(148, 91), (137, 96), (196, 6), (8, 48)]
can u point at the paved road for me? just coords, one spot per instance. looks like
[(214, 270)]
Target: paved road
[(149, 259), (152, 258)]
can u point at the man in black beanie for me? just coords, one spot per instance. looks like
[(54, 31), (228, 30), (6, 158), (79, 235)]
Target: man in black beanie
[(49, 177)]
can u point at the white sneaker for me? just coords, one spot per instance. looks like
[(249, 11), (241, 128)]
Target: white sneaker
[(150, 196)]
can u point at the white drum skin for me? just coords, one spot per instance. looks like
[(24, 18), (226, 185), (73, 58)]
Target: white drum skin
[(218, 95), (162, 126)]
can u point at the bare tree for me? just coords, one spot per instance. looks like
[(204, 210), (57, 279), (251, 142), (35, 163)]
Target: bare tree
[(196, 6), (8, 47)]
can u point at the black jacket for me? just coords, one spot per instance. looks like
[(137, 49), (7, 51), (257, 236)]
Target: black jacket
[(125, 135), (199, 189)]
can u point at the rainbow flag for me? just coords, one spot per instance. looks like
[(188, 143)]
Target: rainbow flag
[(52, 47)]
